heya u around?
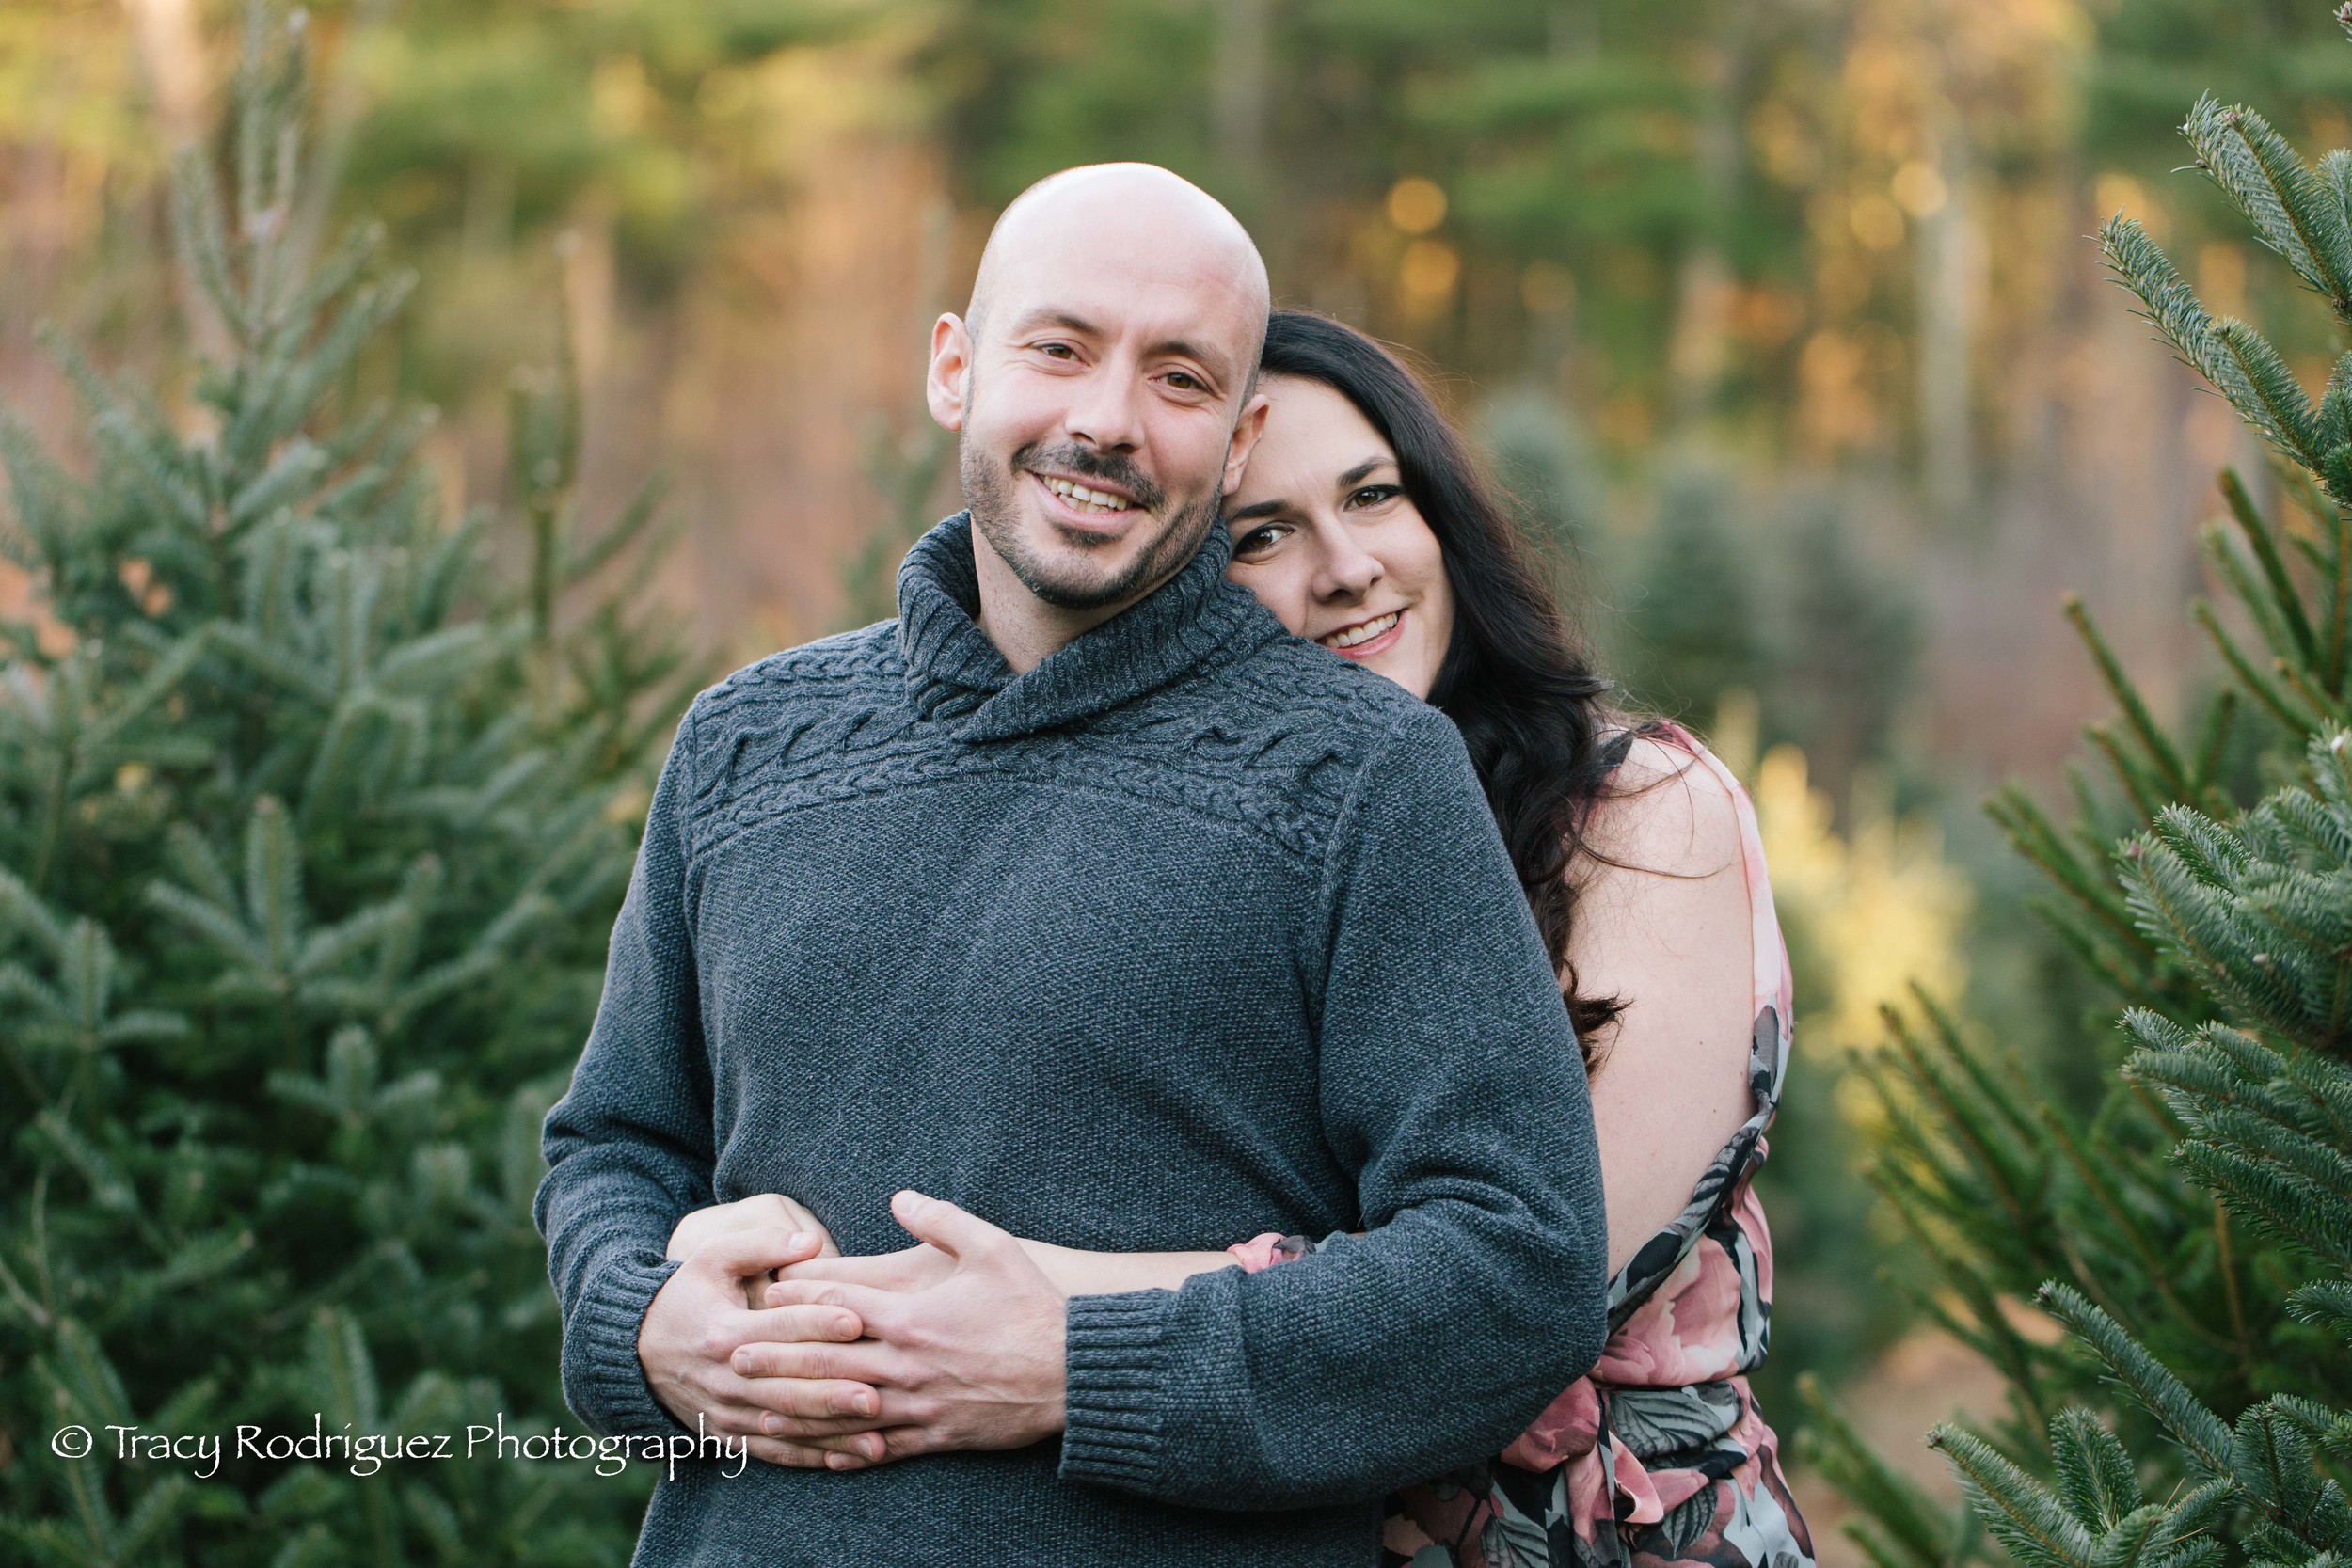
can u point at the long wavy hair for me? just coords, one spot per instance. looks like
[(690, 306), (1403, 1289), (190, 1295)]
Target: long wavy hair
[(1515, 680)]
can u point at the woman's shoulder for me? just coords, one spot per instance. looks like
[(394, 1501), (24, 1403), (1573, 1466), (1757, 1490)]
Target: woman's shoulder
[(1669, 807)]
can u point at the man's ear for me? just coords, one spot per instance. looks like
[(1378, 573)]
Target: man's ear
[(950, 374), (1246, 433)]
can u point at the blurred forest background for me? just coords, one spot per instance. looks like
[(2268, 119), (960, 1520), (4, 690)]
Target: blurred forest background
[(1778, 316)]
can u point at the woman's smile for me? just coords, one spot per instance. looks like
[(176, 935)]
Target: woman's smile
[(1364, 639)]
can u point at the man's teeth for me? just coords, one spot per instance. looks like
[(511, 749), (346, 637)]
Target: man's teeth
[(1363, 633), (1093, 501)]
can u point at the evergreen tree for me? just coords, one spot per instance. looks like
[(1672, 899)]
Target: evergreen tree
[(2191, 1236), (1546, 469), (1844, 648), (311, 826), (1692, 604), (906, 470)]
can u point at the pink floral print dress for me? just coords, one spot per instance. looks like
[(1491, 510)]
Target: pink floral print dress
[(1659, 1455)]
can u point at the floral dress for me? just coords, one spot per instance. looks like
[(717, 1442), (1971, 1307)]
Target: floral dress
[(1659, 1455)]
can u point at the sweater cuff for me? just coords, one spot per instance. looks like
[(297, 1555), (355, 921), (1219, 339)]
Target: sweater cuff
[(1115, 1364), (603, 1381)]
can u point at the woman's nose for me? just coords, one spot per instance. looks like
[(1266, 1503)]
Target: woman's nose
[(1349, 570)]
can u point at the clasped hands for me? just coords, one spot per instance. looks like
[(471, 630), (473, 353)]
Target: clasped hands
[(819, 1361)]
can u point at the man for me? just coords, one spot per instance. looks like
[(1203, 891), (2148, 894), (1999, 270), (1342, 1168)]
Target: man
[(1089, 903)]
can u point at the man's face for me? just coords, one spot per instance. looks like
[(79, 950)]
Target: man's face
[(1097, 407)]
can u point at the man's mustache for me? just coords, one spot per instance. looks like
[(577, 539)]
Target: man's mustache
[(1079, 462)]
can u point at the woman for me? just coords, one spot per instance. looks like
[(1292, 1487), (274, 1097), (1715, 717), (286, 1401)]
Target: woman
[(1362, 523)]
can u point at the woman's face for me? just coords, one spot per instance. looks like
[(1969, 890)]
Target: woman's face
[(1326, 537)]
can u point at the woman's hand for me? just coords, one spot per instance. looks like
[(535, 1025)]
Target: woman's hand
[(760, 1211), (914, 1268)]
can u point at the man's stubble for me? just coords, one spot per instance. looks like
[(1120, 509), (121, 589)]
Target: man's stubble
[(989, 485)]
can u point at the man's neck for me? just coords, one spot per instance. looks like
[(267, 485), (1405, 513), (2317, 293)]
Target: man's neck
[(1027, 629)]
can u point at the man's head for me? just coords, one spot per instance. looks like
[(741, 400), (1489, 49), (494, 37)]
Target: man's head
[(1103, 383)]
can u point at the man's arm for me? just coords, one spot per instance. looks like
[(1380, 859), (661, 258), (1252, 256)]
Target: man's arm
[(628, 1148), (1452, 1085)]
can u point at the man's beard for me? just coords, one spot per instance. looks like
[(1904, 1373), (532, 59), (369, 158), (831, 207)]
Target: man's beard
[(988, 491)]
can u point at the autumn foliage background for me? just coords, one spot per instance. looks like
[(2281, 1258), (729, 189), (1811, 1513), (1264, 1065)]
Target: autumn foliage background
[(1779, 318)]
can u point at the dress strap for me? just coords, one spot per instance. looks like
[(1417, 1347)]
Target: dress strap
[(1614, 748)]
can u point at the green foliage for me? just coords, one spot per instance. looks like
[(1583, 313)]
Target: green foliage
[(1694, 618), (906, 471), (2258, 909), (310, 825), (2154, 55), (1844, 652), (1596, 134), (1546, 468), (2193, 1236)]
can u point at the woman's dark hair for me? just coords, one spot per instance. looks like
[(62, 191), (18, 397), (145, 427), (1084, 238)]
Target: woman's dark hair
[(1515, 680)]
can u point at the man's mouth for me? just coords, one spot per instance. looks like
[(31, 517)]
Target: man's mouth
[(1361, 632), (1085, 499)]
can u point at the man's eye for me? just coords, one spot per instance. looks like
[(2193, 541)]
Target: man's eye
[(1183, 381), (1058, 351)]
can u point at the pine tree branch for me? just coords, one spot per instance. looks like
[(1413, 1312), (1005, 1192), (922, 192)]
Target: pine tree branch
[(2147, 792), (2004, 1164), (2198, 1430), (2290, 207), (2096, 1479), (2000, 1093), (2212, 740), (2227, 1266), (201, 238), (2228, 353), (2273, 399), (2150, 735), (2270, 599), (2339, 600), (2157, 1268), (1914, 1535), (2030, 831), (2331, 712), (2264, 690), (2021, 1515)]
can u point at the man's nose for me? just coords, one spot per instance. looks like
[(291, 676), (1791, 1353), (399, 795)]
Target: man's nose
[(1104, 412)]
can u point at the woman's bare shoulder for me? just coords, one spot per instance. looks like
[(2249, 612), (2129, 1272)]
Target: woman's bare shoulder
[(1666, 811)]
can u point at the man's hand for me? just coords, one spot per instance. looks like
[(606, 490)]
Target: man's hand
[(759, 1211), (970, 1359), (698, 1319)]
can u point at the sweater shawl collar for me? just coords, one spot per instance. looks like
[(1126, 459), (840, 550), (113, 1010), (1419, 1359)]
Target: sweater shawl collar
[(956, 675)]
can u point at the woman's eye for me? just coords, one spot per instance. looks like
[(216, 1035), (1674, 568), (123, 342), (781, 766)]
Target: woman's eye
[(1259, 539), (1373, 495)]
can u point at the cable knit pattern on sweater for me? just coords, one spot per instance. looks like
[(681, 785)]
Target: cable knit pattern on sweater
[(1192, 931)]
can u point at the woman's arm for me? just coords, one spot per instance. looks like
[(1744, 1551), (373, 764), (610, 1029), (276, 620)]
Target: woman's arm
[(1073, 1271), (1078, 1273)]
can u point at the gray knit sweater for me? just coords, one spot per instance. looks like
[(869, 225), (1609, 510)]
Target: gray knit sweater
[(1191, 932)]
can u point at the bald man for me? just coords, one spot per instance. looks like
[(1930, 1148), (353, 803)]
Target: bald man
[(1080, 903)]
